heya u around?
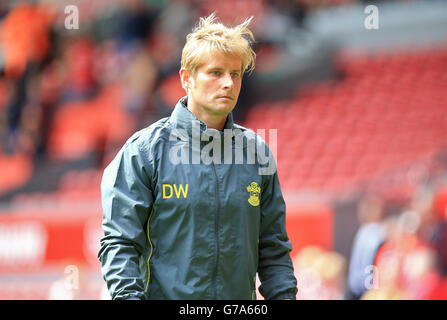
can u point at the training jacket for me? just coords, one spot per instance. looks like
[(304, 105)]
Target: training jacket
[(185, 230)]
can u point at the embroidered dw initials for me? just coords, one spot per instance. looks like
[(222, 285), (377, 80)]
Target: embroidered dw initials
[(180, 190)]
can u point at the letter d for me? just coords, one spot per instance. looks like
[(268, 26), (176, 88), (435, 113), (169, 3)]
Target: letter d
[(164, 191)]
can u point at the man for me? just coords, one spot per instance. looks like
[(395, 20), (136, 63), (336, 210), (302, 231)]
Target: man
[(191, 227)]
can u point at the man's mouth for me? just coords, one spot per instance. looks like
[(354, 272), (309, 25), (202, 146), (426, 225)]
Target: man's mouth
[(225, 98)]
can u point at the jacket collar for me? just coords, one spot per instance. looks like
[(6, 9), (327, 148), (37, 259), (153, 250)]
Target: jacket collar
[(183, 117)]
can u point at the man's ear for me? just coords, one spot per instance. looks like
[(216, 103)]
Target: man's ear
[(185, 79)]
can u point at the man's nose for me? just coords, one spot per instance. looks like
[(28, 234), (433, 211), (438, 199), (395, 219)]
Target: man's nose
[(228, 81)]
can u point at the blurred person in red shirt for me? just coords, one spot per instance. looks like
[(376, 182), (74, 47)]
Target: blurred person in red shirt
[(406, 262), (439, 242)]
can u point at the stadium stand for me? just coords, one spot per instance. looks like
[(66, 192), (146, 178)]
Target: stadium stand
[(387, 111)]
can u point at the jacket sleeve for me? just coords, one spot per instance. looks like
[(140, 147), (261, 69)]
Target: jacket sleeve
[(126, 201), (275, 265)]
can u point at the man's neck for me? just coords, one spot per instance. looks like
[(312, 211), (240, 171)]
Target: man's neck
[(217, 123), (212, 121)]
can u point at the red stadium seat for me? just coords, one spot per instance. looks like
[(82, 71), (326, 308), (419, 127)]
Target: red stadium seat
[(81, 127)]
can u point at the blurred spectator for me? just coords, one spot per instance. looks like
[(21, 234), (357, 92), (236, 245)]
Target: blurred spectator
[(81, 82), (439, 240), (369, 237), (320, 274), (405, 264), (24, 36), (26, 40), (139, 81)]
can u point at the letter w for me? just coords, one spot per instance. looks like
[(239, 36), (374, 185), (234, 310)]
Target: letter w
[(180, 189)]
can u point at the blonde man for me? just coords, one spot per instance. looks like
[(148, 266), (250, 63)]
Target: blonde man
[(191, 227)]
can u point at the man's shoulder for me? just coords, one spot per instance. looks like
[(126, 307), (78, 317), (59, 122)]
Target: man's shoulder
[(238, 126), (247, 132), (144, 137), (250, 134)]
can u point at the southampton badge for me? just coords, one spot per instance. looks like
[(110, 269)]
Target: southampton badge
[(254, 191)]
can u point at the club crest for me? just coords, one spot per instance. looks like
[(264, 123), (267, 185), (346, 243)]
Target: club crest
[(254, 191)]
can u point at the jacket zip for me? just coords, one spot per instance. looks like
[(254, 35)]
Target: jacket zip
[(216, 232), (152, 249)]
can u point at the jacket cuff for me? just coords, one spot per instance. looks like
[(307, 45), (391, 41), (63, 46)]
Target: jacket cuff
[(289, 294), (130, 296)]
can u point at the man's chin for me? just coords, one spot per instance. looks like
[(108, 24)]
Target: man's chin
[(225, 106)]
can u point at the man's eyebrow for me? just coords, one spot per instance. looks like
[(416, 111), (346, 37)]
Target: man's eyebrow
[(220, 69)]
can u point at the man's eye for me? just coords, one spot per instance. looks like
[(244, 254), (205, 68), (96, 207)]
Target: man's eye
[(216, 73), (235, 75)]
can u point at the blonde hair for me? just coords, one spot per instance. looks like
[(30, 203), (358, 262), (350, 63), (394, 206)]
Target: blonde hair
[(211, 35)]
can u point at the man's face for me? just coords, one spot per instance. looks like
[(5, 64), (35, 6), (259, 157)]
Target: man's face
[(214, 88)]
